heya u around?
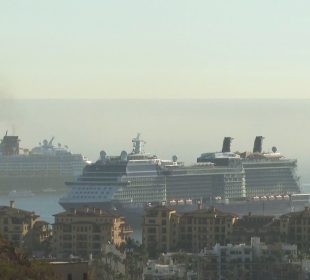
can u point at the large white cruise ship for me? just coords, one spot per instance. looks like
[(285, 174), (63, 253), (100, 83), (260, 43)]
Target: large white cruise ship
[(256, 182), (266, 173), (43, 167), (137, 179)]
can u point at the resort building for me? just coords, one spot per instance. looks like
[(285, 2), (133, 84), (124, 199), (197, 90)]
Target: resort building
[(160, 229), (294, 228), (165, 230), (85, 231), (204, 228), (17, 226), (264, 227)]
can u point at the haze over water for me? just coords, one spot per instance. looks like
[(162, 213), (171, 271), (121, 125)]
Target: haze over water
[(185, 128)]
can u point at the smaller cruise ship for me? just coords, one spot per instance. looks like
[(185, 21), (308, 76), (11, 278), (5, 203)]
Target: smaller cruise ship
[(44, 166)]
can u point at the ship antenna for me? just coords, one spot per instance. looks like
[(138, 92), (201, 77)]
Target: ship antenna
[(138, 145), (51, 141)]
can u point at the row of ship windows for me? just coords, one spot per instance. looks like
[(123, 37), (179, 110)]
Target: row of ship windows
[(87, 196), (142, 194), (92, 188), (143, 198), (91, 192)]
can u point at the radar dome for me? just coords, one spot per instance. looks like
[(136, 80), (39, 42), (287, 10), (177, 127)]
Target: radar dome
[(103, 155), (274, 149), (123, 156), (174, 158)]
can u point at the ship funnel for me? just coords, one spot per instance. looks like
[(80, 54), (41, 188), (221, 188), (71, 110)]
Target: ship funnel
[(9, 145), (258, 144), (124, 156), (103, 155), (226, 144)]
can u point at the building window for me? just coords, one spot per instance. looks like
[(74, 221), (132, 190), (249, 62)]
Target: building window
[(151, 230)]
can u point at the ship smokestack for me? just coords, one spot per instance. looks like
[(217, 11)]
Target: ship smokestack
[(9, 145), (258, 144), (226, 145), (12, 204)]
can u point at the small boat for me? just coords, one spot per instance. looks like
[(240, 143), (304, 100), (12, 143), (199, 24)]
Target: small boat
[(15, 193)]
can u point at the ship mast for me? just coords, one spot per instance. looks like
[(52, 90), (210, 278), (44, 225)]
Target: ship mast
[(138, 145)]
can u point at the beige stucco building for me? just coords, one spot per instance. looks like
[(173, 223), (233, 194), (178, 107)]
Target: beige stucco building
[(204, 228), (165, 230), (85, 231), (21, 227), (160, 229)]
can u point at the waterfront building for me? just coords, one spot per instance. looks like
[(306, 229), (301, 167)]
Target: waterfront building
[(204, 228), (85, 231), (165, 230), (21, 227), (160, 229), (42, 231), (255, 260), (242, 261), (295, 228), (264, 227)]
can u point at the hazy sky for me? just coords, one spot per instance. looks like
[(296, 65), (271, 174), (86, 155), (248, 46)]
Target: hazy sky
[(154, 48)]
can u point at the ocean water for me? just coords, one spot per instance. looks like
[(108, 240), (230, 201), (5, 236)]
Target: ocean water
[(45, 205)]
